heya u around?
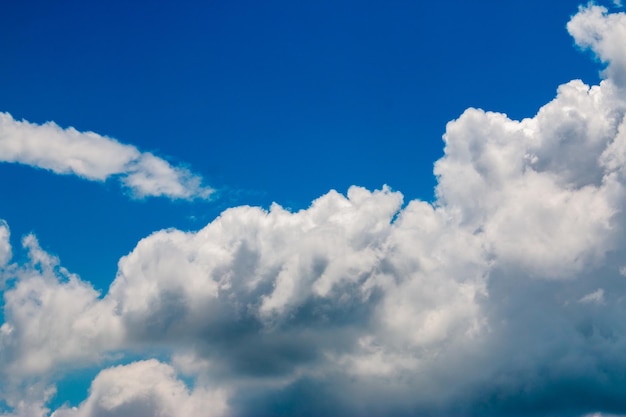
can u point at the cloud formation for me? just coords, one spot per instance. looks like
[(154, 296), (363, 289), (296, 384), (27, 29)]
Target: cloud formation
[(96, 158), (593, 28), (145, 388), (506, 296)]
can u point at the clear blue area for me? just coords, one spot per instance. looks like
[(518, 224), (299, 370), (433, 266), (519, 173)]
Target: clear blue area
[(268, 100)]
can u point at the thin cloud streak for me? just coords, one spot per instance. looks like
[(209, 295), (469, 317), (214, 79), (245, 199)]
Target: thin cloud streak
[(94, 157)]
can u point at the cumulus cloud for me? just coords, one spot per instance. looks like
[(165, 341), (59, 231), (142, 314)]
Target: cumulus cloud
[(276, 294), (594, 28), (95, 157), (52, 320), (145, 388), (51, 317), (505, 296)]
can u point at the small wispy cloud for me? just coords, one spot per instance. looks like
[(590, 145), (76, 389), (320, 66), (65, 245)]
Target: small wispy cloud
[(97, 158), (596, 297)]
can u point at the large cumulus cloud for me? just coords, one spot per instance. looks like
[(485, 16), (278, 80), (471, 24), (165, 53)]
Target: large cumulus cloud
[(503, 297)]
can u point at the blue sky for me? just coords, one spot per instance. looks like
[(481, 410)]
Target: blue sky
[(283, 102), (268, 101)]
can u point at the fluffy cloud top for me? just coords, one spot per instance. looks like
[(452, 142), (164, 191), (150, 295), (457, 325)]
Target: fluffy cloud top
[(145, 388), (94, 157), (504, 297), (604, 34)]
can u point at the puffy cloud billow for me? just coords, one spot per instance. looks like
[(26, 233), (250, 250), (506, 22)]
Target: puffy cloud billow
[(506, 296), (95, 157), (145, 388)]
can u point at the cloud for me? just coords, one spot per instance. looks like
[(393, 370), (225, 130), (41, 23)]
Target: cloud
[(5, 245), (96, 158), (53, 322), (594, 297), (145, 388), (52, 317), (262, 277), (549, 187), (506, 296), (594, 28)]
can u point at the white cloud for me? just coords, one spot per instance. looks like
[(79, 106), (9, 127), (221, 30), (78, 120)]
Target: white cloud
[(594, 28), (5, 245), (548, 199), (596, 297), (505, 296), (94, 157), (266, 298), (51, 318), (32, 408), (145, 388)]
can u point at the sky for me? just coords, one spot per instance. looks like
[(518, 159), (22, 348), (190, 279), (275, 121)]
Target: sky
[(312, 208)]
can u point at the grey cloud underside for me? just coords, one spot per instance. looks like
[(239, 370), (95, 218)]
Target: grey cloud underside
[(505, 297)]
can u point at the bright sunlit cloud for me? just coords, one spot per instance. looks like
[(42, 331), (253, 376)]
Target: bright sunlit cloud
[(96, 158)]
